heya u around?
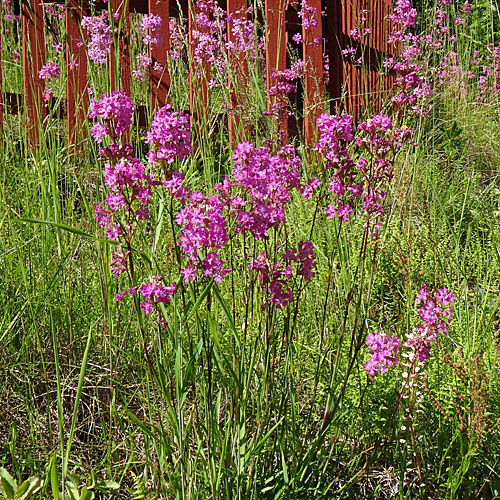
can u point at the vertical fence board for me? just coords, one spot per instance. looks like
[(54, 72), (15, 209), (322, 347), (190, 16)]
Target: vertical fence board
[(275, 46), (353, 69), (33, 60), (199, 71), (375, 43), (312, 50), (76, 65), (334, 39), (121, 13), (238, 69), (160, 82)]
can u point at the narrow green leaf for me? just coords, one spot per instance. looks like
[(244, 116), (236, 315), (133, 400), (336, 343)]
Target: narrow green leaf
[(86, 494), (227, 313), (64, 227), (54, 478), (81, 379), (140, 424), (200, 299)]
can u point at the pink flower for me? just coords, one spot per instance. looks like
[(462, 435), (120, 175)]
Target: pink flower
[(384, 353), (49, 71), (169, 137)]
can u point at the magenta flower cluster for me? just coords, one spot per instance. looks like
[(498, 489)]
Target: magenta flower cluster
[(9, 16), (276, 275), (129, 187), (169, 137), (100, 37), (335, 134), (252, 202), (178, 38), (154, 293), (285, 83), (115, 111), (151, 29), (204, 228), (207, 38), (267, 181), (212, 44), (384, 353), (369, 175), (56, 11), (308, 15), (435, 314), (129, 183), (49, 71), (416, 81)]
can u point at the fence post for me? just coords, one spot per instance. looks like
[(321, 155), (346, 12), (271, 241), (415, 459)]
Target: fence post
[(276, 39), (76, 66), (121, 14), (334, 42), (199, 72), (160, 81), (33, 60), (354, 73), (312, 49), (238, 69)]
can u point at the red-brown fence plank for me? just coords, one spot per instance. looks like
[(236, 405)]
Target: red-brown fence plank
[(354, 72), (76, 65), (33, 60), (160, 81), (238, 69), (334, 44), (312, 50), (275, 47), (199, 71), (374, 40), (121, 13)]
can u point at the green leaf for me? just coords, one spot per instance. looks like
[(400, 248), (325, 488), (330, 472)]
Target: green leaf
[(86, 494), (54, 479), (201, 298), (106, 485), (64, 227), (9, 484), (73, 490), (228, 315), (77, 404), (28, 488)]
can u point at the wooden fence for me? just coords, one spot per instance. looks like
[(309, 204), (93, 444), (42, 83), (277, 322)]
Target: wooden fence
[(356, 78)]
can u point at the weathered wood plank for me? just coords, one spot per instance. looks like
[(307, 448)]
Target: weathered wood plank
[(121, 15), (33, 60), (238, 69), (199, 70), (275, 37), (312, 50), (160, 80), (76, 66)]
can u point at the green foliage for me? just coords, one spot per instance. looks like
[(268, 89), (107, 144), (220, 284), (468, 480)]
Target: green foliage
[(11, 491)]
